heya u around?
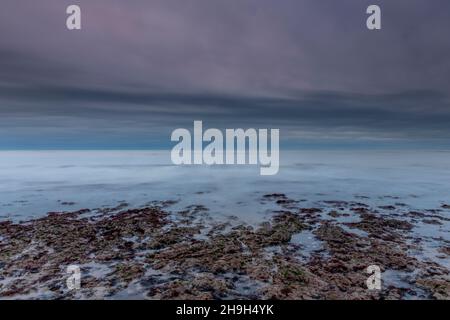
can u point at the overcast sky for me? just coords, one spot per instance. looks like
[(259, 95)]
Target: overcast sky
[(139, 69)]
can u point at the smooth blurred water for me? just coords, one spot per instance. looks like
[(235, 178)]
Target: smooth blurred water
[(36, 182)]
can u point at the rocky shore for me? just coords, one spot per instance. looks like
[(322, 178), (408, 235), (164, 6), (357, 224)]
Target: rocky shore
[(155, 252)]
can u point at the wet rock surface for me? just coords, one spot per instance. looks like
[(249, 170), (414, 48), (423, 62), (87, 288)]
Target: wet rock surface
[(319, 252)]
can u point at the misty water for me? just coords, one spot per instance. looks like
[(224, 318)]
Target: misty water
[(36, 182)]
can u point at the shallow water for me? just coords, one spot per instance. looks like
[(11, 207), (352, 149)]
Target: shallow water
[(36, 182)]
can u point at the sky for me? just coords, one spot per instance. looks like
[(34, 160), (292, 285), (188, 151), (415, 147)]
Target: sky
[(137, 70)]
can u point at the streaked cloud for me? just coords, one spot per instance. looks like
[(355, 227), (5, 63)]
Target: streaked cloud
[(139, 69)]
